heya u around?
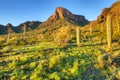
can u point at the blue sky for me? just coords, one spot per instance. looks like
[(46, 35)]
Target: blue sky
[(19, 11)]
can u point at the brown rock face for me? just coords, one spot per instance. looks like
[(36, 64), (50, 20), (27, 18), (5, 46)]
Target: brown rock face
[(114, 11), (62, 13)]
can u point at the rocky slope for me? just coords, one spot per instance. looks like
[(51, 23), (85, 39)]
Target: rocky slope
[(62, 13), (114, 11)]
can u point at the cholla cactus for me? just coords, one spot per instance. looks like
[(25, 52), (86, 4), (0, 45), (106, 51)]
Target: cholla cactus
[(109, 31), (78, 36)]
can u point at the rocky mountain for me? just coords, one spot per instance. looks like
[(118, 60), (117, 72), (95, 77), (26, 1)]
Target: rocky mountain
[(65, 14), (114, 11), (30, 25), (62, 13), (59, 14)]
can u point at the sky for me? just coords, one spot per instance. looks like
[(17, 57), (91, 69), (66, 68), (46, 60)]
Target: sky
[(19, 11)]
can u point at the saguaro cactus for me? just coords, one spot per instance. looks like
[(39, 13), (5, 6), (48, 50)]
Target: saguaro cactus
[(109, 31), (78, 34), (24, 30), (101, 27), (8, 36), (90, 29), (9, 33), (118, 25)]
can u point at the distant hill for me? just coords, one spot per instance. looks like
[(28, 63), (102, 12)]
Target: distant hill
[(30, 25)]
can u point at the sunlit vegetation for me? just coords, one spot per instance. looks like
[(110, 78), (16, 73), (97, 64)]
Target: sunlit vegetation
[(60, 59), (60, 52)]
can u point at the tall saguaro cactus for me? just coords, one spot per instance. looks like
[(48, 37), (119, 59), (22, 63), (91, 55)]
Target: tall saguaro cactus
[(9, 33), (24, 30), (118, 25), (90, 29), (101, 27), (109, 31), (78, 35)]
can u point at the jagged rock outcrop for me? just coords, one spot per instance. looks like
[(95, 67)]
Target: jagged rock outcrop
[(62, 13), (114, 11), (65, 14)]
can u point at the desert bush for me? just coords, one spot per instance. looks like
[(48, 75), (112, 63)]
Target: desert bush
[(40, 37), (37, 73), (55, 76), (102, 60), (75, 68), (54, 60), (63, 36), (11, 41), (7, 49)]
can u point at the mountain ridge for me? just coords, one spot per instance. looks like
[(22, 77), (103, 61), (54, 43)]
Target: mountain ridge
[(4, 29), (60, 13)]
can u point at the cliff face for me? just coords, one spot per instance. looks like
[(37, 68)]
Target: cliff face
[(114, 11), (62, 13)]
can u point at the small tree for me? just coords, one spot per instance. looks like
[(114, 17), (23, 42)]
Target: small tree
[(109, 32)]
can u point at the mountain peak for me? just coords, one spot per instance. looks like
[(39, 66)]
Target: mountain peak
[(62, 13), (9, 25)]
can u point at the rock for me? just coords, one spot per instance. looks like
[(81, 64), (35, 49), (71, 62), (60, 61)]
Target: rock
[(62, 13)]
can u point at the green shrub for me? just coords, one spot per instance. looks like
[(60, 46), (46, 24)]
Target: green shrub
[(55, 76), (54, 60), (7, 49), (75, 68)]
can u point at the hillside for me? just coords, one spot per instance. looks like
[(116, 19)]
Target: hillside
[(62, 13), (64, 47), (99, 26)]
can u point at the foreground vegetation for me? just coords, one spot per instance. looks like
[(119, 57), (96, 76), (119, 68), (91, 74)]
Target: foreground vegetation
[(52, 54), (47, 61)]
